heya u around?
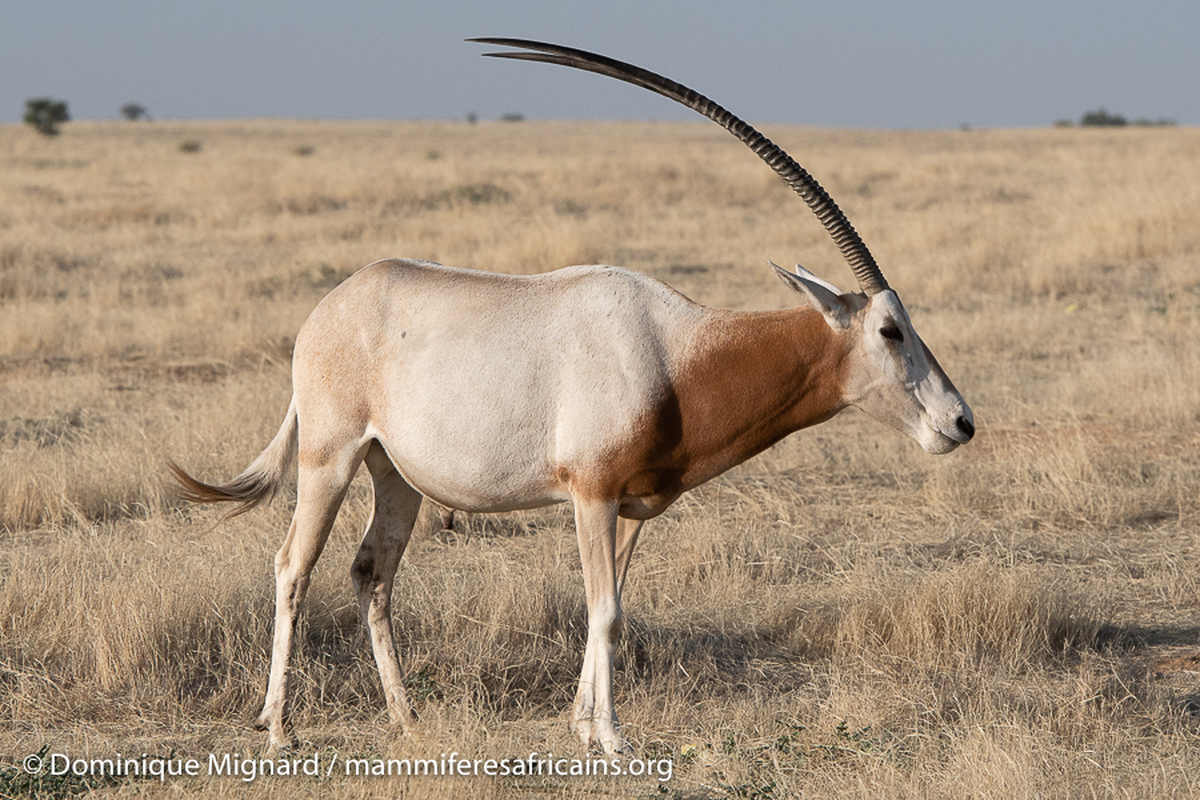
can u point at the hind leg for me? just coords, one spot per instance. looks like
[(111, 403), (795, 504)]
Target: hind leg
[(320, 490), (374, 570)]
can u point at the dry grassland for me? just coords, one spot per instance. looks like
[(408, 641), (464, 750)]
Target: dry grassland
[(842, 616)]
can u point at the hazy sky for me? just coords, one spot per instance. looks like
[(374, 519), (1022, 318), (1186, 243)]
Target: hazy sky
[(853, 63)]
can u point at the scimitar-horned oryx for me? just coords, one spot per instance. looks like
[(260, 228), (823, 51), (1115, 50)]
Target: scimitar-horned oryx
[(595, 385)]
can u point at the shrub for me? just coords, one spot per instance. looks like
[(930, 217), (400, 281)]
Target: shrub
[(45, 114), (1101, 117), (134, 112)]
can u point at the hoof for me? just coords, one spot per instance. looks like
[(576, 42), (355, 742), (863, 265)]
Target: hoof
[(278, 738), (600, 738)]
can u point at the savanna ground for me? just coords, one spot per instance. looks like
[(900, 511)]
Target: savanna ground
[(844, 615)]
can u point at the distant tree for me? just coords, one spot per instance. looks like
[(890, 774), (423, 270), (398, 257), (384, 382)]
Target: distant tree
[(45, 114), (512, 116), (1101, 117), (134, 111)]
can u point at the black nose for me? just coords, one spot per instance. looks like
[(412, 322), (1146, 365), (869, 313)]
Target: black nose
[(966, 426)]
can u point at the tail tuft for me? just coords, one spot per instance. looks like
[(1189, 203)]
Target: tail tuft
[(247, 490), (258, 483)]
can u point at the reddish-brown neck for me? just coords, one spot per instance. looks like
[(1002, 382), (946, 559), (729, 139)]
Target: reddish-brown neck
[(743, 382), (752, 378)]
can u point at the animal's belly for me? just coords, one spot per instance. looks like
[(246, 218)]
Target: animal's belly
[(475, 472), (482, 496)]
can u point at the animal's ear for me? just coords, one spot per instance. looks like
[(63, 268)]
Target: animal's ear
[(821, 295)]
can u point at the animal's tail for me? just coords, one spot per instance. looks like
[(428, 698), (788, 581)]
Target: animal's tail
[(260, 481)]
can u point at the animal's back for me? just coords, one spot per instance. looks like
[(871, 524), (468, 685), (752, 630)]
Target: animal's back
[(484, 388)]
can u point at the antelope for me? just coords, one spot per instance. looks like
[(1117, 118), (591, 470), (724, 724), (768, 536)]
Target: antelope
[(595, 385)]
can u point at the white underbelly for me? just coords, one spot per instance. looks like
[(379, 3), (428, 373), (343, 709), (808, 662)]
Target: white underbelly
[(475, 467)]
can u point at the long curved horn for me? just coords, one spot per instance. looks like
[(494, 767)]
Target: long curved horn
[(870, 279)]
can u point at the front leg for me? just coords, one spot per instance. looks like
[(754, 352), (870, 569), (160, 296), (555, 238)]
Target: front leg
[(627, 536), (594, 719)]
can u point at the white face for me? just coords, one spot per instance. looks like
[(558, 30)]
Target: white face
[(892, 376), (898, 381)]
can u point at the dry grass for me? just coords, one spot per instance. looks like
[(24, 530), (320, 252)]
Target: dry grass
[(842, 616)]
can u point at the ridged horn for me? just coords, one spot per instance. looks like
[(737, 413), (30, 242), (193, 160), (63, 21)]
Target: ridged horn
[(851, 245)]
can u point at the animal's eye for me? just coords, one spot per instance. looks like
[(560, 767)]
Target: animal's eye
[(892, 332)]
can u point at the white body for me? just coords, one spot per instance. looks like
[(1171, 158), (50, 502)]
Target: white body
[(596, 385), (489, 392)]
